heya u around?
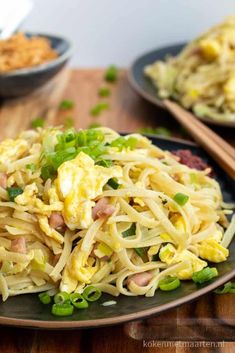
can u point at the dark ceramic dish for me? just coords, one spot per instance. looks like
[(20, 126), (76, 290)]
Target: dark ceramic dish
[(27, 311), (144, 86), (24, 81)]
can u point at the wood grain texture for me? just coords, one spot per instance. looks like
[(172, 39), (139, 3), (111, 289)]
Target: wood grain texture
[(210, 318)]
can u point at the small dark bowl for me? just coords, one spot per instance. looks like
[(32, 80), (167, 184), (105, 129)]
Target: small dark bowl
[(24, 81)]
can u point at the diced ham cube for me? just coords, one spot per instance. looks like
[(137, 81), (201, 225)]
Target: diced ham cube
[(140, 279), (56, 220), (102, 209), (3, 180), (19, 245)]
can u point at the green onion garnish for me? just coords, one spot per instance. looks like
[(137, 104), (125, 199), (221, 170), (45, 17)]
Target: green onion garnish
[(61, 298), (141, 251), (130, 231), (227, 288), (69, 145), (31, 167), (68, 122), (113, 183), (104, 163), (44, 298), (66, 104), (180, 198), (104, 92), (111, 74), (161, 130), (121, 142), (65, 309), (99, 108), (13, 192), (78, 301), (205, 275), (94, 125), (91, 294), (38, 122), (169, 283)]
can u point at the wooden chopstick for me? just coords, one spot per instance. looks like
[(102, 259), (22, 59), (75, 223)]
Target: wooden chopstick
[(219, 149)]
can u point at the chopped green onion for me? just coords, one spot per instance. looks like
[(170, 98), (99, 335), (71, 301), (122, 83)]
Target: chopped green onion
[(44, 298), (68, 122), (61, 298), (227, 288), (78, 301), (70, 144), (113, 183), (94, 125), (111, 74), (66, 104), (121, 142), (205, 275), (169, 283), (47, 172), (181, 199), (104, 163), (13, 192), (161, 130), (104, 92), (38, 122), (130, 231), (141, 251), (31, 167), (91, 294), (98, 108), (65, 309)]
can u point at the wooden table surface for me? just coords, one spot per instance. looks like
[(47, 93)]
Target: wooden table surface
[(211, 318)]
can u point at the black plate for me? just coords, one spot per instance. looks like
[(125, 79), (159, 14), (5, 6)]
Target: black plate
[(24, 81), (144, 86), (27, 311)]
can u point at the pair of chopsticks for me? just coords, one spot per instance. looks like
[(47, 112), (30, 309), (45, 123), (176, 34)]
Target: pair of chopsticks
[(219, 149)]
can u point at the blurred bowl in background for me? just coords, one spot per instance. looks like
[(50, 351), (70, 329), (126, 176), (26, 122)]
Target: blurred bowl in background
[(24, 81)]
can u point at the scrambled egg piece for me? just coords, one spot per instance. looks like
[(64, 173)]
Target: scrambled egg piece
[(169, 255), (34, 205), (11, 150), (79, 268), (80, 181), (211, 250), (210, 48), (229, 89)]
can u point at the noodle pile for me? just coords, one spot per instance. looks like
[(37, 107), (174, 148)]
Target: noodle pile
[(144, 230), (202, 76)]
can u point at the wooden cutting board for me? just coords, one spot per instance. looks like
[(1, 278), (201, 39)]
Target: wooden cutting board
[(210, 318)]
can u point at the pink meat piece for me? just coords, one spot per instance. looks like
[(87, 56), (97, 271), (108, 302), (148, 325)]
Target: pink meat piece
[(140, 279), (102, 209), (192, 161), (56, 220), (3, 180), (19, 245)]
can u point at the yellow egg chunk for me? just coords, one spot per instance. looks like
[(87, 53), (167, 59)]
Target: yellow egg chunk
[(210, 48), (78, 183), (11, 150), (169, 255), (229, 89), (211, 250), (78, 269)]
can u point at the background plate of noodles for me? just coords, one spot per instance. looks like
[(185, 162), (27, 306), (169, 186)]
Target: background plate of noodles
[(199, 75)]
